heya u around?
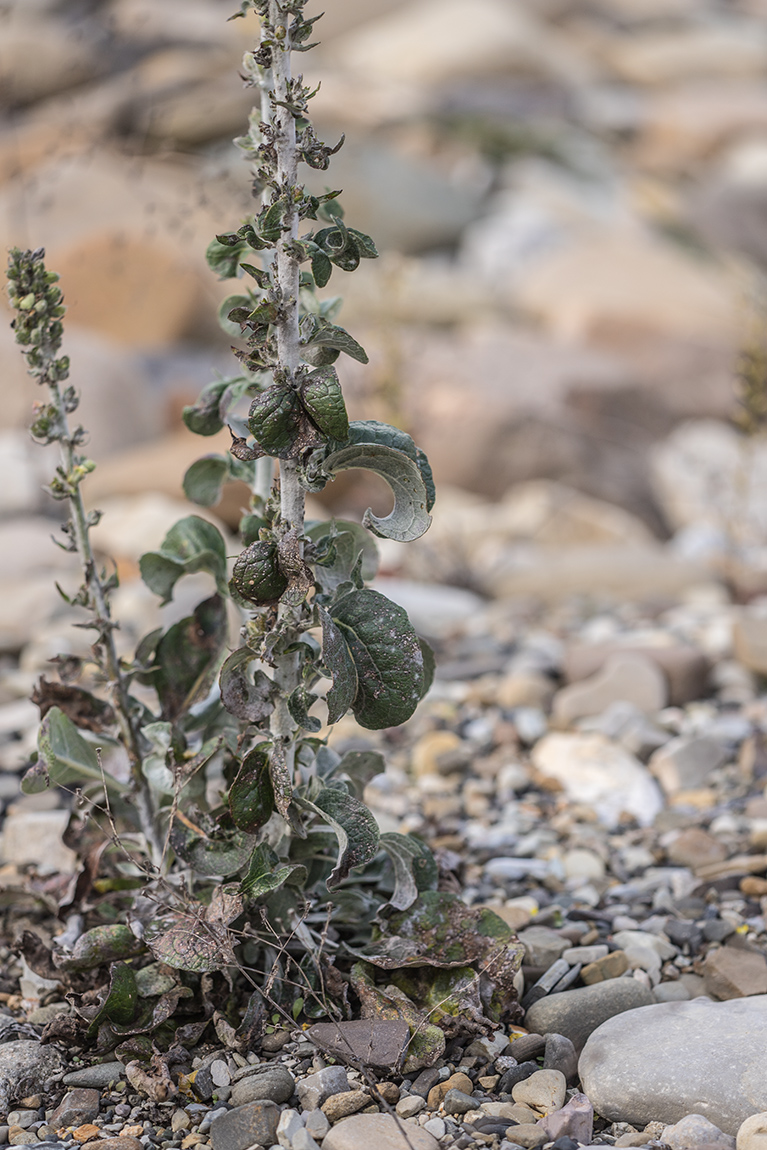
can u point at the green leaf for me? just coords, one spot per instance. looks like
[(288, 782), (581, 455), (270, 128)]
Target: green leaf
[(224, 258), (365, 245), (360, 767), (250, 525), (204, 480), (99, 946), (322, 397), (251, 795), (299, 702), (339, 664), (274, 418), (154, 766), (341, 542), (193, 544), (264, 876), (209, 856), (64, 757), (429, 666), (409, 518), (234, 303), (188, 656), (270, 221), (191, 944), (204, 417), (244, 696), (387, 658), (415, 868), (354, 826), (321, 269), (336, 338), (374, 431), (120, 1002)]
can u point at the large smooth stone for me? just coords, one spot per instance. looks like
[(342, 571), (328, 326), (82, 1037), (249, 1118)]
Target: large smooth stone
[(676, 1058), (577, 1013)]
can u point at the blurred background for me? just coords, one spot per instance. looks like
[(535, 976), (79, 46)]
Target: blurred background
[(569, 197)]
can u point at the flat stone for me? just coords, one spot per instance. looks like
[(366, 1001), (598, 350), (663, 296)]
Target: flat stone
[(527, 1046), (245, 1125), (97, 1076), (750, 641), (575, 1120), (375, 1042), (733, 973), (341, 1105), (86, 1133), (600, 774), (625, 677), (288, 1126), (302, 1140), (543, 946), (694, 1132), (543, 1091), (585, 954), (78, 1106), (424, 1082), (380, 1131), (25, 1066), (20, 1137), (611, 965), (577, 1013), (640, 1069), (274, 1083), (695, 847), (316, 1088), (686, 762)]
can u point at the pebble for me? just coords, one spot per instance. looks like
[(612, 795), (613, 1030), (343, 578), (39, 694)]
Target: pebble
[(574, 1120), (543, 1091), (410, 1105), (76, 1107), (121, 1142), (459, 1102), (694, 1132), (341, 1105), (625, 677), (752, 1134), (560, 1054), (316, 1123), (317, 1088), (644, 1072), (457, 1081)]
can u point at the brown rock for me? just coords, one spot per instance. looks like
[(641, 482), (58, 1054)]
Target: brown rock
[(340, 1106), (691, 122), (732, 973), (529, 1135), (613, 965), (86, 1133), (389, 1091), (753, 887), (685, 763), (695, 847), (438, 752), (454, 1082), (41, 56)]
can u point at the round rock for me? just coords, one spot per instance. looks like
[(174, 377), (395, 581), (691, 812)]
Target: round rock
[(696, 1133), (544, 1091), (639, 1068), (275, 1084), (379, 1130), (752, 1134)]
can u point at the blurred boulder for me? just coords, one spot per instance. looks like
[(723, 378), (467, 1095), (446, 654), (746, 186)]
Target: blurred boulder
[(685, 125), (734, 48), (41, 54), (499, 37), (189, 21), (730, 207), (601, 279)]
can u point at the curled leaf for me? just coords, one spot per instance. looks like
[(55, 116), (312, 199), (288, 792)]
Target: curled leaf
[(246, 696), (193, 544), (251, 795), (340, 666), (409, 518), (354, 826)]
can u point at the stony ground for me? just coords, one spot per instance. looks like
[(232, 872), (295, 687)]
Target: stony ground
[(597, 776)]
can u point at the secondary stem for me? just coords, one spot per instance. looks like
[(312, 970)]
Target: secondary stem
[(130, 736)]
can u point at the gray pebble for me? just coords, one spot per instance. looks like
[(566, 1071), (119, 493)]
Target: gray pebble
[(457, 1102), (96, 1077)]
